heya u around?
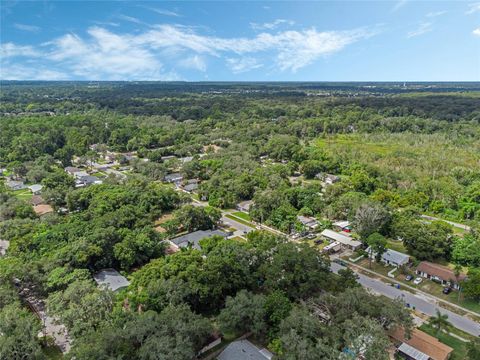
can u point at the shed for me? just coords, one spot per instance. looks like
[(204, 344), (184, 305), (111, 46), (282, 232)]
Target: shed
[(111, 279)]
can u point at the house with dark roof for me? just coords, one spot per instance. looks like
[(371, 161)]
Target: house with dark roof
[(173, 178), (193, 239), (439, 273), (244, 350)]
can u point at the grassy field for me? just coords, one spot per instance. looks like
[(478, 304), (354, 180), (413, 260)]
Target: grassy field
[(24, 194), (242, 215), (459, 347), (396, 245)]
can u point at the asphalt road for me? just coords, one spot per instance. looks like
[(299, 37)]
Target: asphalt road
[(460, 322), (236, 224)]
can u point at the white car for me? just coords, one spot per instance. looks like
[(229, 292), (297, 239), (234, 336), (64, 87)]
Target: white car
[(417, 281)]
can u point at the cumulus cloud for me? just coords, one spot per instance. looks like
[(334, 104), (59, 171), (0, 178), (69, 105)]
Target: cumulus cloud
[(25, 27), (423, 28), (154, 53), (271, 25), (476, 32)]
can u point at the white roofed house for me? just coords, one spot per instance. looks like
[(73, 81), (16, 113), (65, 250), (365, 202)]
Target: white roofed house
[(36, 189), (391, 257), (345, 240), (343, 225)]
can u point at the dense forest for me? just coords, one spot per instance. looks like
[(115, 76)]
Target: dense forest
[(399, 153)]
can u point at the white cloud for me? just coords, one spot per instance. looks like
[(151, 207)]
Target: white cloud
[(163, 12), (194, 62), (436, 13), (240, 65), (271, 25), (25, 27), (399, 4), (9, 49), (473, 8), (130, 19), (21, 72), (154, 53), (106, 55), (422, 29), (476, 32)]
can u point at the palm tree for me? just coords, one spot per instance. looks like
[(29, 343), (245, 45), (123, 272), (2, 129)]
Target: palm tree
[(440, 321)]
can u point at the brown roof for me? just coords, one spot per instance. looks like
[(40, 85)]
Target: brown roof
[(443, 272), (42, 209), (423, 342), (36, 200)]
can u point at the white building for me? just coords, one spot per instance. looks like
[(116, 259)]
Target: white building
[(345, 240)]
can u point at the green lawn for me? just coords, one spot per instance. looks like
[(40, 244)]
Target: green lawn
[(459, 347), (242, 215), (24, 194), (396, 245)]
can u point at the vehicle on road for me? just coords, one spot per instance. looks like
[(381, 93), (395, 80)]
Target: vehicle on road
[(417, 281)]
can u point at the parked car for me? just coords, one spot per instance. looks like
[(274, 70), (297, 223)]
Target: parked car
[(408, 278), (311, 236), (447, 290), (417, 281)]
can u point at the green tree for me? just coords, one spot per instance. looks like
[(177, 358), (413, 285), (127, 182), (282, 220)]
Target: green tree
[(439, 322), (377, 247), (244, 313)]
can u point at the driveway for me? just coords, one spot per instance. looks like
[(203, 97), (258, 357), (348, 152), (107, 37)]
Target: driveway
[(460, 322)]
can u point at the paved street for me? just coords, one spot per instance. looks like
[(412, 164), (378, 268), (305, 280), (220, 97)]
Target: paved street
[(236, 224), (460, 322)]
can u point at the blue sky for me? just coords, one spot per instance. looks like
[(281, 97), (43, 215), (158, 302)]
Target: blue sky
[(242, 41)]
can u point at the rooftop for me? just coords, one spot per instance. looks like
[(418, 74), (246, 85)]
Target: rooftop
[(393, 256), (344, 239), (42, 209), (244, 350), (194, 238), (111, 279), (443, 272), (423, 343)]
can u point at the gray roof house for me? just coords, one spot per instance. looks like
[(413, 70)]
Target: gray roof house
[(392, 257), (245, 205), (71, 170), (89, 180), (194, 238), (174, 177), (15, 185), (244, 350), (307, 221), (190, 187), (111, 279)]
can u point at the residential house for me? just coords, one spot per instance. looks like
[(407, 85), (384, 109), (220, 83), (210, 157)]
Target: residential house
[(90, 180), (332, 247), (391, 257), (309, 222), (79, 174), (190, 187), (193, 239), (37, 200), (345, 240), (15, 185), (111, 279), (42, 209), (186, 159), (36, 189), (440, 273), (173, 178), (419, 346), (244, 350), (71, 170), (245, 205), (343, 225)]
